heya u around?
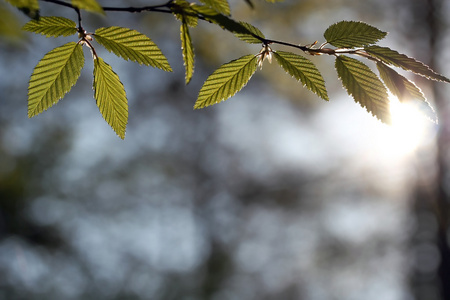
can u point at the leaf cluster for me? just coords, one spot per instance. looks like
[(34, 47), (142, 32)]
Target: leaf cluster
[(60, 68)]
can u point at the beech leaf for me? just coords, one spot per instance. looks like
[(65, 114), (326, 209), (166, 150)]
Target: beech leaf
[(132, 45), (110, 96), (392, 57), (54, 76), (221, 6), (304, 70), (89, 5), (51, 26), (365, 87), (226, 81), (188, 51), (405, 90), (351, 34), (28, 7)]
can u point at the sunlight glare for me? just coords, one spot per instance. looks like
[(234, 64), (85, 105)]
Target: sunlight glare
[(409, 128)]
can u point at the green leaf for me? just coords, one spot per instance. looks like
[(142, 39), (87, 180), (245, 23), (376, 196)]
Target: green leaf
[(351, 34), (226, 81), (304, 70), (89, 5), (10, 26), (405, 90), (250, 35), (52, 26), (54, 76), (392, 57), (220, 6), (364, 86), (183, 11), (28, 7), (241, 30), (188, 51), (401, 87), (110, 96), (132, 45)]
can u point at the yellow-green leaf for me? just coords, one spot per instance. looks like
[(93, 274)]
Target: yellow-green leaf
[(188, 51), (52, 26), (54, 76), (364, 86), (392, 57), (28, 7), (351, 34), (242, 30), (89, 5), (405, 90), (132, 45), (183, 11), (226, 81), (304, 70), (399, 86), (250, 35), (10, 26), (220, 6), (110, 96)]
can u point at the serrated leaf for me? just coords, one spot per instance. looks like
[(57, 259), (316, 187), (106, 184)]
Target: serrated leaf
[(28, 7), (220, 6), (188, 51), (183, 11), (241, 30), (405, 90), (54, 76), (226, 81), (351, 34), (400, 86), (392, 57), (364, 86), (250, 35), (51, 26), (110, 96), (132, 45), (304, 70), (89, 5)]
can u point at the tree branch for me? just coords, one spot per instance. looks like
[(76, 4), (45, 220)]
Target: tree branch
[(157, 8)]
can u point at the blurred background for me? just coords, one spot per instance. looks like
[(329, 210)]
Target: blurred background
[(273, 194)]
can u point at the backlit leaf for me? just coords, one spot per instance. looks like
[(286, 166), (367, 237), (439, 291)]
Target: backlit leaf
[(28, 7), (89, 5), (52, 26), (221, 6), (392, 57), (304, 70), (351, 34), (242, 30), (188, 51), (54, 76), (400, 86), (132, 45), (364, 86), (251, 35), (226, 81), (405, 90), (183, 11), (110, 96)]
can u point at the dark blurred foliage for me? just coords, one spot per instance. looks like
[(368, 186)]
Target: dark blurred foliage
[(256, 198)]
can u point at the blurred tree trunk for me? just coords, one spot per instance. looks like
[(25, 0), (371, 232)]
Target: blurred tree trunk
[(442, 209), (436, 200)]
